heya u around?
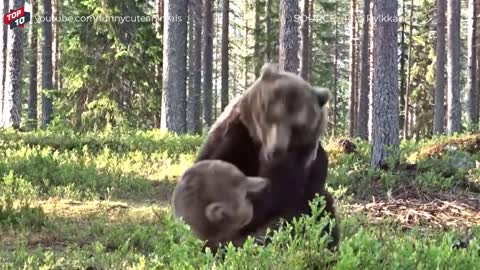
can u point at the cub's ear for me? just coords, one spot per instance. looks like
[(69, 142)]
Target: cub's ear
[(256, 184), (323, 95), (269, 70), (216, 212)]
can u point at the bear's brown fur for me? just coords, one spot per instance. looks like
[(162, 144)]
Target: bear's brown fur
[(291, 189), (211, 197), (273, 131), (278, 111), (281, 109)]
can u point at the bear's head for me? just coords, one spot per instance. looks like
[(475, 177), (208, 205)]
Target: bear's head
[(282, 110), (211, 197)]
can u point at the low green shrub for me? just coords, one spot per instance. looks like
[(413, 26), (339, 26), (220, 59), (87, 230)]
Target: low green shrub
[(15, 209), (139, 170), (119, 141), (445, 171), (373, 249)]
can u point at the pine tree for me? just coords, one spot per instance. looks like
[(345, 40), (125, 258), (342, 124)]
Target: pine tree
[(225, 54), (385, 86), (288, 36), (353, 69), (439, 107), (47, 65), (407, 119), (472, 91), (32, 76), (362, 127), (453, 67), (194, 106), (175, 71), (268, 31), (305, 33), (3, 57), (13, 81), (207, 66)]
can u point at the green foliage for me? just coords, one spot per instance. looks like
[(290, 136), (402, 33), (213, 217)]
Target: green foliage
[(105, 63), (445, 171), (451, 169), (15, 210), (117, 140), (422, 72), (297, 245), (169, 248), (123, 183), (94, 165), (373, 249)]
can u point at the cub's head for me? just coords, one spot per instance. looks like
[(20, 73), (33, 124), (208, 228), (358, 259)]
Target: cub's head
[(281, 110), (211, 197)]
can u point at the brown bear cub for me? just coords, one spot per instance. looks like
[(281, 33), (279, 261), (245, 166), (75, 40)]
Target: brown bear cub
[(273, 131), (211, 197)]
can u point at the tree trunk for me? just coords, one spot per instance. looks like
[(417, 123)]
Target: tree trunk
[(353, 65), (159, 66), (47, 65), (372, 74), (335, 73), (358, 66), (225, 56), (406, 126), (288, 36), (56, 44), (3, 58), (32, 77), (268, 31), (362, 127), (403, 61), (207, 61), (174, 72), (439, 107), (13, 80), (477, 48), (217, 62), (195, 63), (472, 92), (256, 46), (305, 32), (246, 59), (385, 89), (191, 70), (453, 68), (310, 43)]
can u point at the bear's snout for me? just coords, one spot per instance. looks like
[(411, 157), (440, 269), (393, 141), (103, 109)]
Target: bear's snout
[(277, 141)]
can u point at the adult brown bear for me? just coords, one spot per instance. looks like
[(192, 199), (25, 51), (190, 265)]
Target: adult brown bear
[(273, 131)]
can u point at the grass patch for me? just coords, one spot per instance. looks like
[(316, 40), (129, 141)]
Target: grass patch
[(101, 201)]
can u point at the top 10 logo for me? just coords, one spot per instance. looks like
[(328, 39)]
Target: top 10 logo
[(18, 17)]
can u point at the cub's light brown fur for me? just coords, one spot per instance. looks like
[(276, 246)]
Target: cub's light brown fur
[(211, 197)]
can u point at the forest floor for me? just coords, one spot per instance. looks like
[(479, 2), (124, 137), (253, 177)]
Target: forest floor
[(101, 201)]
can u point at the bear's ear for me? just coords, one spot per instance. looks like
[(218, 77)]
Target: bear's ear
[(269, 70), (256, 184), (216, 212), (323, 95)]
